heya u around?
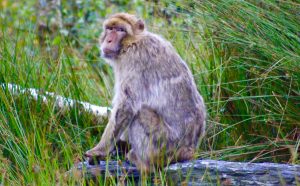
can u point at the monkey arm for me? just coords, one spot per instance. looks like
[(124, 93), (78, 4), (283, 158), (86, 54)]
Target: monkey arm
[(121, 117)]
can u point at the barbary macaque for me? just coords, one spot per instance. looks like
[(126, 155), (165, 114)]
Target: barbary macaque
[(156, 106)]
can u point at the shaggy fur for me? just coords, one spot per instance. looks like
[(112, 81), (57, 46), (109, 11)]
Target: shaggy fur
[(156, 106)]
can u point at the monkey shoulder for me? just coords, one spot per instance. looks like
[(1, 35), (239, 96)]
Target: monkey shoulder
[(155, 52), (156, 43)]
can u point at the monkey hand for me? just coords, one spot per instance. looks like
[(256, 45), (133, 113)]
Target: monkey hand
[(95, 154)]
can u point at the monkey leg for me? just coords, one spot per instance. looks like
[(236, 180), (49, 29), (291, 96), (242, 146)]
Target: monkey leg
[(148, 137), (140, 164)]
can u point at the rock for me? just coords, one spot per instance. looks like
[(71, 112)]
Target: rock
[(202, 172)]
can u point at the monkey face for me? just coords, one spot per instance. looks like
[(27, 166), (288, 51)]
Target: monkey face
[(119, 32), (111, 45)]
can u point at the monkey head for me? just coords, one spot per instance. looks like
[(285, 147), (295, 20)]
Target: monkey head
[(119, 32)]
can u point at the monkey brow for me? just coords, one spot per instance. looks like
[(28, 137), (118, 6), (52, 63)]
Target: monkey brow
[(125, 20)]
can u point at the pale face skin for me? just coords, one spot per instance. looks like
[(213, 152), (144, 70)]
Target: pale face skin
[(111, 46)]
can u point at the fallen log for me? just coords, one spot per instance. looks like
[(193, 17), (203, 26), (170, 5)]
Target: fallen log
[(202, 172), (59, 101)]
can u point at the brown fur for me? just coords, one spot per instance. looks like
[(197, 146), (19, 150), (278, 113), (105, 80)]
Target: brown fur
[(156, 106)]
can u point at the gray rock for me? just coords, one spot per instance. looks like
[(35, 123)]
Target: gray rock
[(202, 172)]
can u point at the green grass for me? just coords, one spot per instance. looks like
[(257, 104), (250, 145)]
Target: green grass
[(245, 57)]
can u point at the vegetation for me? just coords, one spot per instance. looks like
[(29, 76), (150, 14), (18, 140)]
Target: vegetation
[(245, 57)]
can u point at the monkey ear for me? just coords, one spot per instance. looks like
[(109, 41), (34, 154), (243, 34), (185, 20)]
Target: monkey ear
[(139, 26)]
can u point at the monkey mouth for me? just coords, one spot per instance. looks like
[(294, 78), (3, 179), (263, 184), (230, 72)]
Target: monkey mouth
[(110, 54)]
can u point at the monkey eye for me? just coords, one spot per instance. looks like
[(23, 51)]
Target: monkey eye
[(109, 28), (120, 29)]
